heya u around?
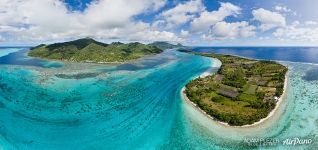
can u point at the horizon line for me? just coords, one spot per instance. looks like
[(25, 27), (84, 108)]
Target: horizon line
[(314, 46)]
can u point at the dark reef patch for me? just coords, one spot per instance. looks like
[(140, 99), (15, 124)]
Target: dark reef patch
[(311, 75), (77, 76), (63, 122), (5, 88), (2, 105)]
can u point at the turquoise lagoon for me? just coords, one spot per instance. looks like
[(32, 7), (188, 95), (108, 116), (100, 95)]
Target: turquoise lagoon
[(54, 105)]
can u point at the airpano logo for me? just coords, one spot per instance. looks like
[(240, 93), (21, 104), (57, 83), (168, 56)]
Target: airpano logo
[(265, 142), (297, 141), (261, 141)]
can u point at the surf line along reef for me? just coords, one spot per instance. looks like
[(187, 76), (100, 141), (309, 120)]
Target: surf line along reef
[(243, 91)]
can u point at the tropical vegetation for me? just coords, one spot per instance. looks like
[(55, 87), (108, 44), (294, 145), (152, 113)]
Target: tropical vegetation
[(242, 92), (89, 50)]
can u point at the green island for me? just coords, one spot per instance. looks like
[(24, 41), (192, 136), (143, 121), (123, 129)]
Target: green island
[(242, 92), (166, 45), (89, 50)]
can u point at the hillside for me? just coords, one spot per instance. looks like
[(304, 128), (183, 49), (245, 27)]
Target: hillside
[(166, 45), (89, 50)]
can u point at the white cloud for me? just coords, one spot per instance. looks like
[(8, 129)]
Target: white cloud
[(1, 38), (48, 20), (264, 38), (297, 33), (8, 10), (311, 23), (4, 29), (283, 9), (268, 19), (156, 5), (180, 14), (34, 20), (207, 19), (295, 23), (224, 30), (153, 35), (109, 13), (184, 34)]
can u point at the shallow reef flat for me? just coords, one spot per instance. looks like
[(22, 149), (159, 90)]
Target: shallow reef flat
[(115, 109), (136, 106)]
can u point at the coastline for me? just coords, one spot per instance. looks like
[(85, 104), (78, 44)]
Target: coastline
[(217, 63), (92, 62), (275, 60), (83, 62)]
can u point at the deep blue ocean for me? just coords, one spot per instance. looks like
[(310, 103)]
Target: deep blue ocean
[(18, 56), (53, 105), (294, 54)]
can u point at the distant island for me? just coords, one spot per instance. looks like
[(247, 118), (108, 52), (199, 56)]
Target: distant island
[(90, 50), (166, 45), (242, 92)]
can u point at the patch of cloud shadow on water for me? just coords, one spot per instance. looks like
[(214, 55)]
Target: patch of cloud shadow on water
[(61, 122), (147, 63), (21, 58), (130, 67), (77, 76), (311, 75), (2, 105), (5, 87)]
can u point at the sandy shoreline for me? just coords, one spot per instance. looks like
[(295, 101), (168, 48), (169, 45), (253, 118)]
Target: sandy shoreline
[(217, 63)]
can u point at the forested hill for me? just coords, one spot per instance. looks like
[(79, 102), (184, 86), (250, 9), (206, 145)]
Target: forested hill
[(90, 50), (166, 45)]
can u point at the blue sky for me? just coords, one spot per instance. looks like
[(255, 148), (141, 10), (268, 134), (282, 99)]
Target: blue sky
[(191, 22)]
